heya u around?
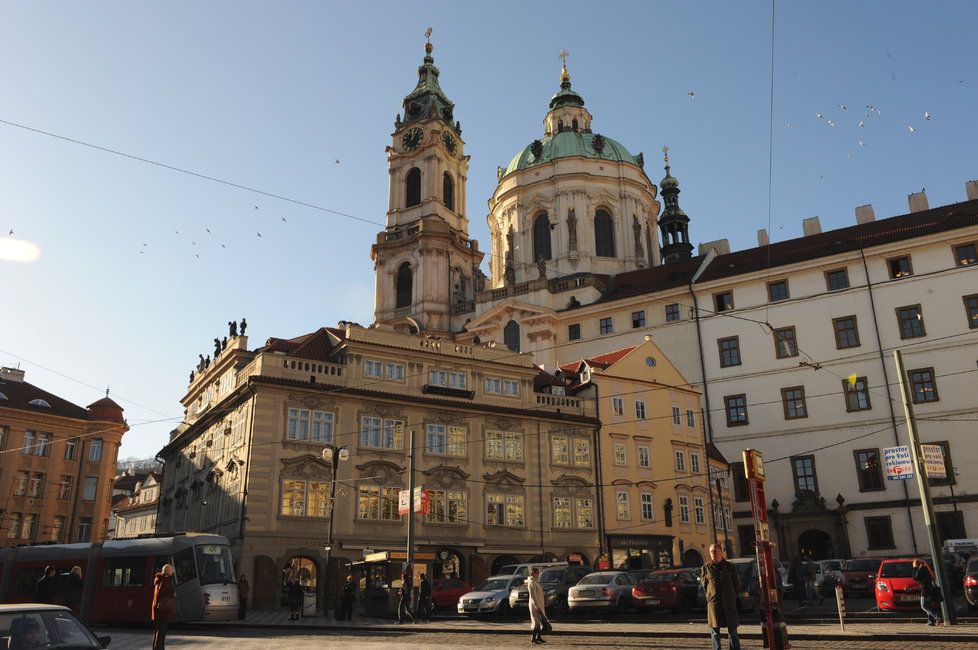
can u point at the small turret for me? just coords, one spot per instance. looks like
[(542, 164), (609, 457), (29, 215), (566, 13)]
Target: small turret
[(673, 223)]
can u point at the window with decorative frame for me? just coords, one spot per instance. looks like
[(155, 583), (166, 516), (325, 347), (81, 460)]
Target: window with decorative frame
[(307, 425), (620, 454), (645, 500), (857, 394), (694, 462), (445, 440), (618, 405), (505, 510), (302, 498), (381, 433), (699, 515), (504, 445), (623, 510), (680, 456), (640, 412), (447, 507), (644, 457), (676, 415), (684, 509), (378, 502)]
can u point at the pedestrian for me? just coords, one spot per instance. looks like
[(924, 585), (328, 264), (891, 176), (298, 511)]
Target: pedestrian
[(798, 579), (296, 594), (810, 574), (721, 583), (46, 590), (921, 573), (539, 623), (406, 592), (242, 597), (164, 605), (347, 599), (424, 600), (71, 590)]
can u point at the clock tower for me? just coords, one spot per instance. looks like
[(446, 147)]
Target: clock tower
[(427, 268)]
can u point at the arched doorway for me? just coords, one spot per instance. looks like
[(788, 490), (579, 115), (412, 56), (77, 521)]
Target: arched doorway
[(816, 544), (448, 563), (304, 569), (502, 561), (692, 557)]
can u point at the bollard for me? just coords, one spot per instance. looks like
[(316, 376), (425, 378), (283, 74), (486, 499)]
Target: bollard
[(840, 602)]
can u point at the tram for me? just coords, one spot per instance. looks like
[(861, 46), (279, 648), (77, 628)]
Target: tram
[(118, 576)]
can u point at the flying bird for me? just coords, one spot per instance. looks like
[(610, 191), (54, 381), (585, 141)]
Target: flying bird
[(926, 115), (789, 126), (177, 231), (285, 220), (11, 232), (818, 115), (256, 207), (861, 143), (337, 160), (223, 246), (194, 243), (144, 243), (691, 94), (259, 234), (830, 122), (207, 229), (843, 107), (850, 155), (861, 124), (911, 128), (196, 255)]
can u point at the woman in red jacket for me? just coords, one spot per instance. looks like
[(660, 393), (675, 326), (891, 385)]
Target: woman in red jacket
[(164, 604)]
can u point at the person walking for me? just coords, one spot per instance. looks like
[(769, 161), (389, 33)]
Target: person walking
[(295, 598), (406, 593), (242, 597), (798, 579), (347, 599), (810, 575), (921, 573), (164, 605), (538, 607), (71, 590), (423, 611), (46, 590), (721, 583)]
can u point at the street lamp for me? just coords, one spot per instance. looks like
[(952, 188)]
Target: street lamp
[(332, 455)]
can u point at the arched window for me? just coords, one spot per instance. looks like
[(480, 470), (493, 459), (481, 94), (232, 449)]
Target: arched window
[(404, 281), (604, 234), (560, 126), (511, 335), (574, 125), (541, 238), (448, 191), (413, 187)]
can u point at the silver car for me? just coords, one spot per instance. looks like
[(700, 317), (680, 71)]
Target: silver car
[(608, 590), (491, 597)]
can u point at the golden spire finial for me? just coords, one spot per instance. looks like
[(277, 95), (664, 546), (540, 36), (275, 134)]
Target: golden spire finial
[(564, 75), (428, 47), (665, 150)]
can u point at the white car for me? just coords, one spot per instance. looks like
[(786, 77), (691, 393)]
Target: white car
[(491, 597), (607, 590)]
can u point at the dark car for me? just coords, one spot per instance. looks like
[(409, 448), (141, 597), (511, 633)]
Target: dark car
[(971, 582), (672, 589), (46, 626), (859, 577), (445, 592), (556, 582)]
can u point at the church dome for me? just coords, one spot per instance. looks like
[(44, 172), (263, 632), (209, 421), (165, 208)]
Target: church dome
[(568, 144)]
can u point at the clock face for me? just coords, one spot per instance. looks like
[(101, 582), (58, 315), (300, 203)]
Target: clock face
[(450, 143), (412, 139)]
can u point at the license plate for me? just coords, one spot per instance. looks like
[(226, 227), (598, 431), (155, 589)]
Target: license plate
[(469, 608), (653, 602), (586, 592), (226, 599), (909, 599)]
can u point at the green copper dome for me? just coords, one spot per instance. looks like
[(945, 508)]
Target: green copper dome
[(569, 144)]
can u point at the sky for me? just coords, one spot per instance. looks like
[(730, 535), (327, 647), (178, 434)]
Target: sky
[(143, 147)]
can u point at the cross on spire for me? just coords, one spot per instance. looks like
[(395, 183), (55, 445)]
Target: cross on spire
[(564, 75), (427, 34)]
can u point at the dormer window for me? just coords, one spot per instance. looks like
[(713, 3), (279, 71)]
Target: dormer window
[(39, 402)]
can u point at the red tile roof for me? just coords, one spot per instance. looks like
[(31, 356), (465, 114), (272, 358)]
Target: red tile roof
[(601, 361), (19, 395), (315, 346)]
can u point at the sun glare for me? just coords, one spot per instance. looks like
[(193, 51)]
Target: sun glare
[(16, 250)]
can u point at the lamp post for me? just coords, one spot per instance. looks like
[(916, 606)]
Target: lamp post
[(332, 455)]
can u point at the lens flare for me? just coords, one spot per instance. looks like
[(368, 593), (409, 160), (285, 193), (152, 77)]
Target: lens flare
[(16, 250)]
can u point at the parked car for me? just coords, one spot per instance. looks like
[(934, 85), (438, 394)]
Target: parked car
[(556, 582), (832, 568), (445, 592), (45, 626), (749, 596), (971, 582), (491, 597), (524, 569), (673, 589), (609, 590), (895, 586), (859, 576)]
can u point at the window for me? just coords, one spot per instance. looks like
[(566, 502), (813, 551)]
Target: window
[(511, 336), (606, 326), (20, 487), (623, 508), (739, 482), (57, 529), (620, 454), (951, 525), (305, 498), (837, 280), (381, 433), (868, 470), (676, 415), (36, 486), (64, 487), (922, 385), (445, 440), (618, 405), (723, 301), (457, 380), (879, 533), (395, 371), (971, 310), (785, 343), (84, 529), (604, 234), (27, 527), (793, 400), (899, 267), (690, 419), (698, 510), (447, 507), (541, 238), (504, 445), (645, 501), (404, 288), (857, 394), (124, 572), (574, 332), (680, 460), (373, 369), (494, 385), (965, 254), (694, 462), (570, 451), (504, 510), (948, 465), (846, 332), (638, 319), (644, 458), (559, 450), (672, 312), (14, 531), (450, 379), (511, 388), (70, 445), (640, 410), (684, 509), (911, 321), (44, 444), (448, 191), (562, 512), (310, 426), (378, 503), (803, 468), (412, 184), (28, 447), (91, 486), (777, 291), (585, 513), (729, 351), (582, 452), (95, 450)]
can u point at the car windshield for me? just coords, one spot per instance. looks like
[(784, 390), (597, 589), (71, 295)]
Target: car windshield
[(493, 585), (662, 577), (863, 565), (550, 577), (896, 570), (214, 564), (46, 629), (596, 579), (507, 570), (832, 565)]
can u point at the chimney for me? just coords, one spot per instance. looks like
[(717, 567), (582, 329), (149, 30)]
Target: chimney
[(918, 201), (12, 374), (971, 187), (721, 246), (865, 214), (762, 238), (811, 226)]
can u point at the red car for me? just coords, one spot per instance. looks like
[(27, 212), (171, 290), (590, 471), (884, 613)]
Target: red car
[(445, 592), (895, 586), (856, 580), (674, 589)]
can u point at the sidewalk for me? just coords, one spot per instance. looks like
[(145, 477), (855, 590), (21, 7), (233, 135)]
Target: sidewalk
[(859, 631)]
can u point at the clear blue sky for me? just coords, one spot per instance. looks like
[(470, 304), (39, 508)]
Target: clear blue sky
[(268, 95)]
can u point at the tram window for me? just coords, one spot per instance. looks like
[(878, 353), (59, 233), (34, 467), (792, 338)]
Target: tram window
[(26, 581), (124, 572), (183, 562)]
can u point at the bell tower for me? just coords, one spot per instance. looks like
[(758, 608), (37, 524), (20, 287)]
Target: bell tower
[(427, 268)]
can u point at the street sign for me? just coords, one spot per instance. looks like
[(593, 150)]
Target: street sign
[(403, 502), (899, 466), (421, 499), (933, 461)]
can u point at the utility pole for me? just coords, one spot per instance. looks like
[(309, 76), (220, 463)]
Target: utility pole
[(933, 534), (410, 532)]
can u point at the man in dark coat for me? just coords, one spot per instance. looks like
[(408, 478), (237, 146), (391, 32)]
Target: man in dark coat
[(347, 600), (406, 593), (423, 611), (47, 587), (721, 583)]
